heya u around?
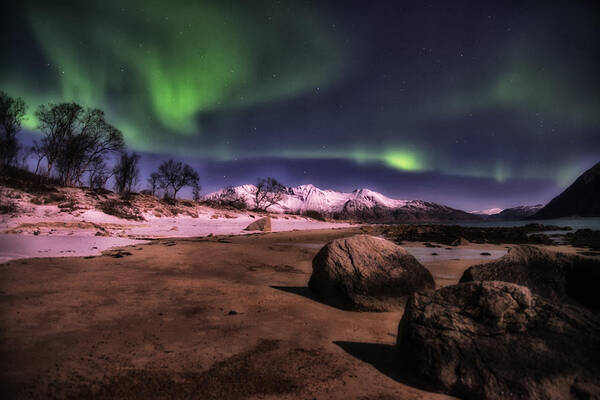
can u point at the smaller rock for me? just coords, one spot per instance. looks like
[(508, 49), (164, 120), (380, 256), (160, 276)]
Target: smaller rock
[(263, 224), (557, 276), (460, 242), (120, 254)]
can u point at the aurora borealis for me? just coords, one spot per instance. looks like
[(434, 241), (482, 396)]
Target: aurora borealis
[(436, 99), (156, 67)]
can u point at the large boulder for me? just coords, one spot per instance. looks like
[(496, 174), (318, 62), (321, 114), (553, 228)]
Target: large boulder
[(556, 276), (497, 340), (367, 273), (262, 224)]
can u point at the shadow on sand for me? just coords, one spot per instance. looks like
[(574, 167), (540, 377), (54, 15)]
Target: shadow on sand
[(383, 357), (303, 291), (386, 359)]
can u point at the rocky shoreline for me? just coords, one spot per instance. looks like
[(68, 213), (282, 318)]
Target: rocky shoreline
[(523, 326), (452, 235)]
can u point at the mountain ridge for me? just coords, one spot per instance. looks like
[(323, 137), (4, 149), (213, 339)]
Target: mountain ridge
[(580, 199), (363, 204)]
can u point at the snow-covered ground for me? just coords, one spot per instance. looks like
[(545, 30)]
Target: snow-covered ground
[(26, 246), (46, 231)]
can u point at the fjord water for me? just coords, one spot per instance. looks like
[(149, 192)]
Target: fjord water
[(574, 223), (427, 254)]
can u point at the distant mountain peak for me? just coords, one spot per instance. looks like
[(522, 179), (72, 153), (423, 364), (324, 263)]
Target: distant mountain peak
[(489, 211), (308, 186)]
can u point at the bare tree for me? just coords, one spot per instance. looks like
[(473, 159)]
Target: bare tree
[(154, 182), (174, 175), (229, 197), (22, 157), (196, 188), (12, 111), (74, 139), (38, 151), (126, 173), (268, 192), (98, 174)]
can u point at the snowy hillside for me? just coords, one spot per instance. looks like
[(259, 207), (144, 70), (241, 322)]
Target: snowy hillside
[(39, 219), (363, 204)]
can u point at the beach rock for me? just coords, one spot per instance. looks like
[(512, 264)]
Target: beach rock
[(460, 242), (556, 276), (262, 224), (584, 238), (367, 273), (464, 235), (497, 340)]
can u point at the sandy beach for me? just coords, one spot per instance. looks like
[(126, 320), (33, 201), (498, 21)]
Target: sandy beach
[(213, 317)]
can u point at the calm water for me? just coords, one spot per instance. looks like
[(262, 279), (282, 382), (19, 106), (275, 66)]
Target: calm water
[(575, 223), (425, 254)]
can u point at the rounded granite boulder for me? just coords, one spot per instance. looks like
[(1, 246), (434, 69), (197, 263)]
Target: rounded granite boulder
[(559, 277), (367, 273), (498, 340)]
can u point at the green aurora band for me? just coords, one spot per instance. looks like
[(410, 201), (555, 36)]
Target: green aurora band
[(154, 65)]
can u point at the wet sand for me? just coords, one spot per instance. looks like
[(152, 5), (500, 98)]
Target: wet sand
[(211, 318)]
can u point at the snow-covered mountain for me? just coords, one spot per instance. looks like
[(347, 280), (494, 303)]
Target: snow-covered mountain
[(361, 204), (508, 214), (490, 211)]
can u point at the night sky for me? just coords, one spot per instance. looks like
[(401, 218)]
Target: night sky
[(470, 104)]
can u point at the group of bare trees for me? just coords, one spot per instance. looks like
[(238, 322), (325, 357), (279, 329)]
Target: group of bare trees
[(76, 142), (75, 146), (171, 177), (266, 193)]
